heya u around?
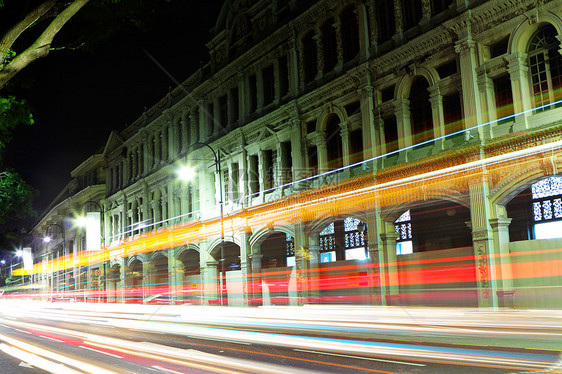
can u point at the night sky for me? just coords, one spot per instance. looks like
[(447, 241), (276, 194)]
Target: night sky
[(78, 98)]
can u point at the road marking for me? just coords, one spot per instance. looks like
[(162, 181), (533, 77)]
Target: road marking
[(25, 365), (166, 370), (27, 332), (96, 350), (53, 339), (36, 361), (360, 357)]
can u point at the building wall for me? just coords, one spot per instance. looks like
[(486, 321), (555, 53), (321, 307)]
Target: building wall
[(318, 101)]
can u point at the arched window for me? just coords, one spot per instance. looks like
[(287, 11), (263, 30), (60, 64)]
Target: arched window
[(343, 240), (309, 57), (547, 208), (403, 228), (545, 67), (328, 244), (329, 44), (350, 33), (420, 109), (334, 142)]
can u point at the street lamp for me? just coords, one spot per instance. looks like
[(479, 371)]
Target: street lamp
[(187, 173), (92, 240), (47, 239)]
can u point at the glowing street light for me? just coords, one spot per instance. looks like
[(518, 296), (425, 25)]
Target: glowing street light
[(187, 173)]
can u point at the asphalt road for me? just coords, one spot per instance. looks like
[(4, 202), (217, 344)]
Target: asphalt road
[(141, 340)]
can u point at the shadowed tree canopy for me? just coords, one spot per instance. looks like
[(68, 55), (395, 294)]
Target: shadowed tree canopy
[(31, 30)]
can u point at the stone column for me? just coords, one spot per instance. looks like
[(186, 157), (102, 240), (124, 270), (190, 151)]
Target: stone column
[(259, 89), (202, 121), (500, 233), (402, 113), (436, 100), (520, 85), (157, 148), (466, 49), (344, 132), (322, 149), (319, 55), (164, 140), (302, 258), (276, 81), (296, 149), (294, 70), (165, 214), (210, 281), (390, 286), (375, 246), (367, 93), (245, 266), (483, 242), (398, 21), (364, 40), (313, 262), (339, 46), (300, 66), (488, 100), (256, 280)]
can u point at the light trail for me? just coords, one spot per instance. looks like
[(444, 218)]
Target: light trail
[(191, 327)]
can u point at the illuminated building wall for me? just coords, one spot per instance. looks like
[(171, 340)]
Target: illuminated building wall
[(56, 261), (310, 103)]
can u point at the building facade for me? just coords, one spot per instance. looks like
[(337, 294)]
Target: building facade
[(389, 152)]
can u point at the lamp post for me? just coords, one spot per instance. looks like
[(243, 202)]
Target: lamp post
[(82, 222), (47, 239), (188, 173)]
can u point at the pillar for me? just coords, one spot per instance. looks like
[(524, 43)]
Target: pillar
[(520, 85), (500, 233), (210, 282), (367, 93), (487, 97), (436, 100), (482, 239), (388, 266), (402, 113), (466, 49)]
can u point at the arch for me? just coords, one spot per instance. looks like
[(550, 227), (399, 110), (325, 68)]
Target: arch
[(433, 224), (215, 243), (421, 114), (260, 235), (515, 183), (334, 142), (131, 259), (333, 110), (154, 255), (134, 279), (187, 248), (520, 38), (402, 90)]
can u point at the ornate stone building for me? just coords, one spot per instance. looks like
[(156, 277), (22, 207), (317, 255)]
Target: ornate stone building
[(349, 151)]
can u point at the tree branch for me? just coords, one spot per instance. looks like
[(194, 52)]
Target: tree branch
[(40, 48), (13, 34)]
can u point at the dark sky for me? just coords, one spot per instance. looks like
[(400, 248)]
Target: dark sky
[(78, 98)]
